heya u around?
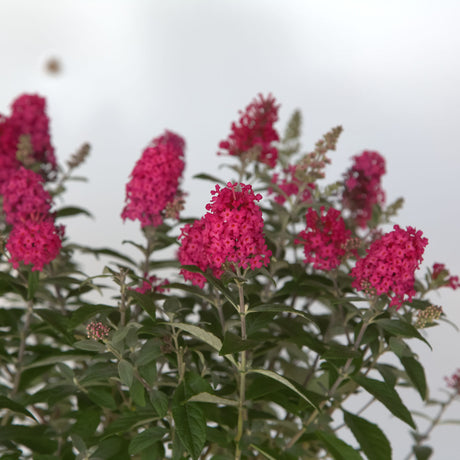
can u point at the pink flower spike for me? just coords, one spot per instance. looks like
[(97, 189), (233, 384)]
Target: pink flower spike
[(255, 131), (153, 190), (362, 186)]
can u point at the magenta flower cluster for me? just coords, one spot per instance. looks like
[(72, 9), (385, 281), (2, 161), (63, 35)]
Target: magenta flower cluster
[(29, 118), (155, 179), (97, 330), (230, 234), (324, 239), (362, 186), (152, 284), (34, 238), (389, 265), (24, 196), (255, 132)]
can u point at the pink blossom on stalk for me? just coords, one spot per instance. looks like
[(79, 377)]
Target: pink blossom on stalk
[(24, 195), (34, 242), (152, 284), (255, 131), (290, 185), (325, 238), (230, 233), (454, 381), (440, 271), (389, 265), (154, 183), (362, 186), (8, 148)]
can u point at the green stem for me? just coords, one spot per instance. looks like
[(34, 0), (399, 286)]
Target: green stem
[(423, 437), (242, 375)]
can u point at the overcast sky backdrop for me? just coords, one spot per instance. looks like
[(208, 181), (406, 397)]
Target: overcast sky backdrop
[(389, 72)]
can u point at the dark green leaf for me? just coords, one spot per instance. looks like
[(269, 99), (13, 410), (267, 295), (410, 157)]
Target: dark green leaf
[(400, 328), (145, 439), (32, 437), (422, 452), (69, 211), (372, 440), (337, 448), (6, 403), (210, 178), (234, 344), (190, 427), (387, 396), (416, 373), (159, 402)]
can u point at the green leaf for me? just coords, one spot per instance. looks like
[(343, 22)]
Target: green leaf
[(282, 380), (416, 373), (145, 439), (400, 328), (190, 423), (203, 335), (234, 344), (370, 437), (387, 396), (6, 403), (422, 452), (159, 402), (33, 437), (213, 399), (126, 372), (210, 178), (337, 448), (137, 393), (280, 308), (102, 397), (90, 345), (69, 211)]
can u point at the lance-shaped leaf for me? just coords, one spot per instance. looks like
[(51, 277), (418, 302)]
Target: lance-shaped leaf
[(282, 380), (203, 335), (387, 396), (339, 449), (370, 437)]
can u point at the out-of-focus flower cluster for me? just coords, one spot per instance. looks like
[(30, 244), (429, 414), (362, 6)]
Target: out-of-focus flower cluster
[(154, 185), (292, 185), (152, 284), (24, 140), (324, 239), (28, 119), (442, 277), (230, 234), (254, 133), (454, 381), (362, 186), (389, 265)]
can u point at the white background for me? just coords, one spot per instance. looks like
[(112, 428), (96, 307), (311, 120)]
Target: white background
[(389, 72)]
